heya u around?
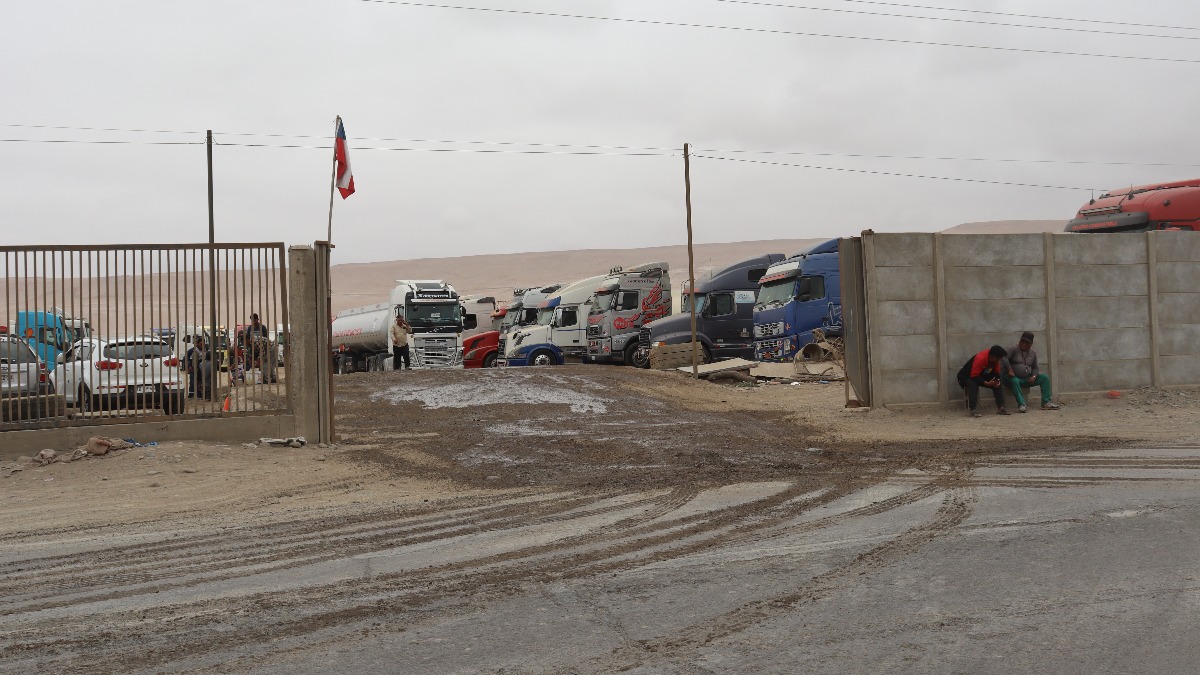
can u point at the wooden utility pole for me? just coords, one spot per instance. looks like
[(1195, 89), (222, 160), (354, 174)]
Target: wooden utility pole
[(687, 187), (212, 277)]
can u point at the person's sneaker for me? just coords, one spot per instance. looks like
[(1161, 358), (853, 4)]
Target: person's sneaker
[(1002, 411), (1050, 405), (976, 413), (1022, 409)]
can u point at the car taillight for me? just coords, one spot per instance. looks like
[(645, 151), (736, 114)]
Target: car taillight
[(42, 373), (109, 365), (171, 362)]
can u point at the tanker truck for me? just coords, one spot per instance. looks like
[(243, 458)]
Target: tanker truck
[(362, 335)]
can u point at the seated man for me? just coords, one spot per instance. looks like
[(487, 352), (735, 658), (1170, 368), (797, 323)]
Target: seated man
[(1023, 372), (983, 370)]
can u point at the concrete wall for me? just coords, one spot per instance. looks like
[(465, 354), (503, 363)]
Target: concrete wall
[(1112, 311)]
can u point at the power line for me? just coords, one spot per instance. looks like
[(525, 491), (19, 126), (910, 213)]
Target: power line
[(96, 142), (1020, 16), (629, 150), (461, 150), (1009, 160), (890, 173), (977, 22), (774, 31)]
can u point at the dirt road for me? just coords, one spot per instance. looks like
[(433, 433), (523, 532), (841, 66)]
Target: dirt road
[(605, 519)]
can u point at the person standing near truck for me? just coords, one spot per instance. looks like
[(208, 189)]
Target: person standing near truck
[(1023, 372), (984, 370), (400, 332)]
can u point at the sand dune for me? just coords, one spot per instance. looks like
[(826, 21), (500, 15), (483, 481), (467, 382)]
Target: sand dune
[(369, 283)]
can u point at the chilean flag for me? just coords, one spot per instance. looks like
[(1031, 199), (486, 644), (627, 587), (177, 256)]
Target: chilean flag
[(341, 154)]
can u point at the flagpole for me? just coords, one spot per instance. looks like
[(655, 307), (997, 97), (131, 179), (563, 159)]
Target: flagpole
[(333, 179)]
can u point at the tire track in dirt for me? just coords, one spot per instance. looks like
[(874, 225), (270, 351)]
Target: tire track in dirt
[(956, 507), (404, 592)]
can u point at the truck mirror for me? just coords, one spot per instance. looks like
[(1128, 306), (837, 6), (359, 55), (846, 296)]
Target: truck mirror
[(470, 322), (61, 358)]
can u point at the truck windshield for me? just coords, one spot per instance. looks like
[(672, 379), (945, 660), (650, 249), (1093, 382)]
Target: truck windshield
[(603, 302), (545, 316), (776, 292), (448, 314), (700, 299)]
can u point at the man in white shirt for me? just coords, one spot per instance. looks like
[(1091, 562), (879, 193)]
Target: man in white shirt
[(400, 332)]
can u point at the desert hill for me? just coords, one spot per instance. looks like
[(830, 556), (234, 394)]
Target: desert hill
[(368, 283)]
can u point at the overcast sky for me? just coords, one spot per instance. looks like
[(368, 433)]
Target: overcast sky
[(403, 72)]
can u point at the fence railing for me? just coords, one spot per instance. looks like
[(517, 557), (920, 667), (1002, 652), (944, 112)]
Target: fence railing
[(112, 334)]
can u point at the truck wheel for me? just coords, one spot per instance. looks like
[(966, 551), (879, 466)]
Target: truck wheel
[(636, 356), (489, 361), (542, 358)]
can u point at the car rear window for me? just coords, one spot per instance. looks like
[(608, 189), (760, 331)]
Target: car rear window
[(133, 351), (15, 351)]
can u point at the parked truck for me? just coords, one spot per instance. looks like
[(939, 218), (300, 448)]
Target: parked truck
[(560, 331), (624, 301), (795, 297), (1159, 206), (724, 301), (362, 335), (483, 350), (50, 332)]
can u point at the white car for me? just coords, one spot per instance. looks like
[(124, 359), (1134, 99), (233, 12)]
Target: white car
[(131, 373)]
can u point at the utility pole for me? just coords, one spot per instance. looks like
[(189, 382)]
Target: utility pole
[(212, 276), (687, 186)]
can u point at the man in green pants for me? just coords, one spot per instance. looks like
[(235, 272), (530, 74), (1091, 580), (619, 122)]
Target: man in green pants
[(1023, 372)]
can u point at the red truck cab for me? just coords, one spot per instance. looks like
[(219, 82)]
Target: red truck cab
[(1159, 206), (481, 350)]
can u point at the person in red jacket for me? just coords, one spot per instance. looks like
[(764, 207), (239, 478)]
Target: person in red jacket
[(984, 370)]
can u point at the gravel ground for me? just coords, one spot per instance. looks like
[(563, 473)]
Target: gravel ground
[(586, 519)]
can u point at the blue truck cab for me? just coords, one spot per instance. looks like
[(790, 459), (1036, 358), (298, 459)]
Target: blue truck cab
[(795, 297), (724, 301), (50, 332)]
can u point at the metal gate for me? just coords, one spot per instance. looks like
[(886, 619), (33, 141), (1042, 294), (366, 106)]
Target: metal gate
[(854, 317), (114, 334)]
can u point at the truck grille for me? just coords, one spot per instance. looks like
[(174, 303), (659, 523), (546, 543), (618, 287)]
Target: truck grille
[(438, 351), (644, 338), (768, 329), (501, 347)]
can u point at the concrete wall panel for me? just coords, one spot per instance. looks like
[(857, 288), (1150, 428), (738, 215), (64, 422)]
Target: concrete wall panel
[(1096, 345), (1086, 281), (909, 386), (906, 318), (905, 283), (1178, 308), (995, 283), (993, 250), (1104, 249), (903, 250), (1180, 370), (1100, 375), (1176, 247), (1179, 340), (996, 316), (961, 347), (1116, 312), (1178, 277), (906, 352)]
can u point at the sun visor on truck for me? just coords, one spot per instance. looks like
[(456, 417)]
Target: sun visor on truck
[(1110, 222), (781, 271)]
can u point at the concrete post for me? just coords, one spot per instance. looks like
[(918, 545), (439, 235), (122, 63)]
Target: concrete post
[(309, 399), (1155, 337), (1051, 296), (870, 282), (939, 290)]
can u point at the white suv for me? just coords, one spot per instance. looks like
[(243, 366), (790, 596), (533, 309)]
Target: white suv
[(131, 373)]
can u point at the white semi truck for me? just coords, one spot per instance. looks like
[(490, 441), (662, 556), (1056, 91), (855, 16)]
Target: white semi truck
[(560, 332), (362, 335)]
